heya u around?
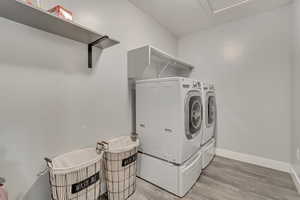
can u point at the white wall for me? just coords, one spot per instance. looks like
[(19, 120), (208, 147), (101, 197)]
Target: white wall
[(249, 61), (296, 87), (50, 103)]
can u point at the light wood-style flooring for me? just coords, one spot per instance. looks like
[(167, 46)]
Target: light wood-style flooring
[(227, 179)]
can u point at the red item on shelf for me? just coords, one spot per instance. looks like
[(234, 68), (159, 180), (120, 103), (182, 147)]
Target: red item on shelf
[(62, 12), (29, 2)]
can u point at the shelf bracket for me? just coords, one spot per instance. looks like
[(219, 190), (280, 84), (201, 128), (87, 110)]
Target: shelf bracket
[(2, 181), (164, 69), (90, 49)]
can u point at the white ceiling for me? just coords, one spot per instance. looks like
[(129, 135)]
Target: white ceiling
[(186, 16)]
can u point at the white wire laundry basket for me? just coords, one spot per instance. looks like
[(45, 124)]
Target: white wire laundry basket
[(76, 175), (120, 166)]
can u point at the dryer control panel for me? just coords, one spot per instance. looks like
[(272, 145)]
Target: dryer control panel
[(197, 84)]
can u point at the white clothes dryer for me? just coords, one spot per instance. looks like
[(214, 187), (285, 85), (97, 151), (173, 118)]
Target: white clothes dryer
[(169, 117)]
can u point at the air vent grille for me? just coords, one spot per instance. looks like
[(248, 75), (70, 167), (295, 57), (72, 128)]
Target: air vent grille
[(222, 5)]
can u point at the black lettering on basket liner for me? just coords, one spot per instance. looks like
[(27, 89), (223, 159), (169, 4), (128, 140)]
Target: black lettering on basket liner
[(77, 187), (129, 160)]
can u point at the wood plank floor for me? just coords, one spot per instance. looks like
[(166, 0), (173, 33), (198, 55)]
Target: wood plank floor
[(227, 179)]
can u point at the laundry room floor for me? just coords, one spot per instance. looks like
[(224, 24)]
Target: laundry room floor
[(227, 179)]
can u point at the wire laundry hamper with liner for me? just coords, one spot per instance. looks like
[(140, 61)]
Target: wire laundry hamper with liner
[(76, 175), (120, 166)]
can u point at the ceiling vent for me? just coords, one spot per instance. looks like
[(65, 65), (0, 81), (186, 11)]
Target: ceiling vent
[(218, 6)]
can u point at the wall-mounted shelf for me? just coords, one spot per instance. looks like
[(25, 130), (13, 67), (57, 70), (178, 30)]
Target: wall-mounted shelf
[(150, 62), (23, 13)]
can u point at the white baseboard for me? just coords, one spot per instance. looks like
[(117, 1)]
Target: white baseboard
[(295, 178), (256, 160)]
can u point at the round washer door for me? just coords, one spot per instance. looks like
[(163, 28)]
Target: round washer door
[(193, 114), (211, 112)]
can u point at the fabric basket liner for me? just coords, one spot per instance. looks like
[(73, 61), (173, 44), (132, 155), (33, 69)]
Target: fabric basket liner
[(74, 160)]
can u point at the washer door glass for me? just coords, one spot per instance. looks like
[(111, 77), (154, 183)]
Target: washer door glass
[(211, 110), (194, 116)]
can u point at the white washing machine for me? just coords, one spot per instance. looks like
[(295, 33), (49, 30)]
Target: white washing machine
[(210, 112), (169, 121), (208, 143)]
